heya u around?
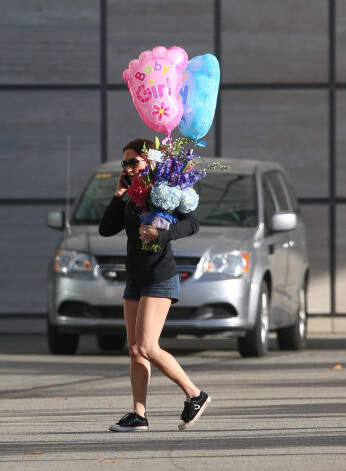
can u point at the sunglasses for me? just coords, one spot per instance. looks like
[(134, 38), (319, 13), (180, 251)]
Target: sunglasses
[(130, 163)]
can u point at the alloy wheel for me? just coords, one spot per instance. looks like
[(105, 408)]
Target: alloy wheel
[(302, 313), (264, 318)]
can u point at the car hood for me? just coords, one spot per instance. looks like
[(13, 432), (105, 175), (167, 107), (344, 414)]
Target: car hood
[(87, 239), (214, 239), (209, 239)]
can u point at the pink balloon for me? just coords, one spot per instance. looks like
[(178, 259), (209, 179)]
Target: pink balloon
[(154, 81)]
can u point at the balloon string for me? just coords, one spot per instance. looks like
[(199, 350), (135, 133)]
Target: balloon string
[(168, 138), (200, 144)]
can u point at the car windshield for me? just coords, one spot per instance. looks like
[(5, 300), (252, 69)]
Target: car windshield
[(95, 198), (225, 199)]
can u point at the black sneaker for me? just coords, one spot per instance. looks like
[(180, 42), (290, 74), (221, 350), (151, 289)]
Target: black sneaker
[(193, 409), (131, 422)]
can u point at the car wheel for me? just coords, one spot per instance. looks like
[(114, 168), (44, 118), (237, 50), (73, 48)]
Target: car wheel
[(110, 342), (293, 337), (61, 344), (256, 341)]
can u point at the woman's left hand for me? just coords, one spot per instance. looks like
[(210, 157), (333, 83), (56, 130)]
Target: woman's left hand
[(148, 233)]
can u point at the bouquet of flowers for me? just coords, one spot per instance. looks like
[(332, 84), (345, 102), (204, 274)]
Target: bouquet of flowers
[(166, 185)]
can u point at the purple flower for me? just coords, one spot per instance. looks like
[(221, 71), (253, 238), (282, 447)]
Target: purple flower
[(144, 172), (162, 171)]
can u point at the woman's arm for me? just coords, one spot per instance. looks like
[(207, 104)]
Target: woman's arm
[(112, 221), (187, 225)]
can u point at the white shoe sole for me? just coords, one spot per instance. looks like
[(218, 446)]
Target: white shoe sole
[(118, 428), (184, 426)]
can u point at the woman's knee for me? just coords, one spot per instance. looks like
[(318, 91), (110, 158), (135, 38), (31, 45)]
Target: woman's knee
[(134, 353), (148, 351)]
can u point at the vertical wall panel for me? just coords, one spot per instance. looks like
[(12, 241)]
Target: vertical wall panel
[(49, 41), (341, 143), (340, 40), (317, 232), (289, 127), (33, 145), (271, 41), (341, 260), (27, 246), (137, 26)]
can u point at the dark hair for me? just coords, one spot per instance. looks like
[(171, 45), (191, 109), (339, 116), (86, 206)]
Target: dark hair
[(137, 145)]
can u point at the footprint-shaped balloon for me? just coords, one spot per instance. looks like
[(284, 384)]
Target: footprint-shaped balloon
[(154, 81), (199, 95)]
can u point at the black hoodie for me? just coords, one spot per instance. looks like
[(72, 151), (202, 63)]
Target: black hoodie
[(143, 266)]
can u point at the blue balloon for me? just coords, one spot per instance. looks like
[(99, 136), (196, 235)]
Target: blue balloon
[(198, 94)]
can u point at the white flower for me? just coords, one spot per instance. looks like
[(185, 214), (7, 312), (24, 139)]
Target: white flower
[(188, 201), (166, 197)]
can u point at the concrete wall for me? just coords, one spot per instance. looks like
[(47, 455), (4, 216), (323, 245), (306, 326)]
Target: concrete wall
[(274, 104)]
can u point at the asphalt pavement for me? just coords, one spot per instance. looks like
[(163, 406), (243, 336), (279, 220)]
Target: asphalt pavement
[(286, 411)]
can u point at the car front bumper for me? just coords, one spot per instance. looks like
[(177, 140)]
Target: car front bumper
[(95, 305)]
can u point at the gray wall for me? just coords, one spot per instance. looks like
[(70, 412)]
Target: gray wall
[(276, 94)]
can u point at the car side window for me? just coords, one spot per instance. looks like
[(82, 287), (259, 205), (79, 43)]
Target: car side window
[(290, 192), (281, 198), (269, 204)]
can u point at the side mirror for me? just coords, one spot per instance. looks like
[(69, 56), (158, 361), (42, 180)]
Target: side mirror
[(284, 222), (56, 219)]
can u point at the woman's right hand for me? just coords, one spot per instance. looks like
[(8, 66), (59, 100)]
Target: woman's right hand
[(122, 188)]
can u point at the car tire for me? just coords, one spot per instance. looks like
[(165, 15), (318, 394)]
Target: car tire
[(110, 342), (293, 337), (61, 344), (256, 341)]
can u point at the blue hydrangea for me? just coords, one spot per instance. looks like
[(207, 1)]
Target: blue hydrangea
[(188, 201), (165, 197)]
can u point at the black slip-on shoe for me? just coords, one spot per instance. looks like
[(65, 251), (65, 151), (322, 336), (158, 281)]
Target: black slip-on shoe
[(131, 422), (193, 409)]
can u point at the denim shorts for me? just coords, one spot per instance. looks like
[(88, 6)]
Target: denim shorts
[(162, 289)]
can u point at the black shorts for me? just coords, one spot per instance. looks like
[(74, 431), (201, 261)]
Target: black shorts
[(162, 289)]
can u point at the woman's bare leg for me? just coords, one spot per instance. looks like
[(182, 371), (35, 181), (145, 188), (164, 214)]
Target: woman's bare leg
[(151, 316), (139, 367)]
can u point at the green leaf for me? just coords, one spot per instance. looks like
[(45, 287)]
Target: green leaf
[(145, 182), (157, 143), (217, 166)]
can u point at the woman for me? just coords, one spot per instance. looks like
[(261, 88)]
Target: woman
[(152, 285)]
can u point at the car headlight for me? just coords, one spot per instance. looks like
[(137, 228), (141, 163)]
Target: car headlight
[(69, 262), (230, 264)]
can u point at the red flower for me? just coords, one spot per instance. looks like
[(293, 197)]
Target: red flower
[(189, 167), (138, 192)]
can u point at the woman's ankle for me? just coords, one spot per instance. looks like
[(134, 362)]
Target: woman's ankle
[(192, 393), (140, 411)]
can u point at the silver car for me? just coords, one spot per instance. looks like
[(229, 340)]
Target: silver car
[(245, 273)]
